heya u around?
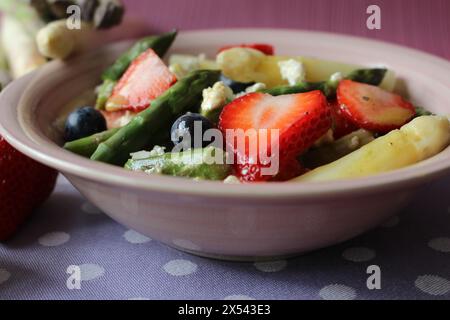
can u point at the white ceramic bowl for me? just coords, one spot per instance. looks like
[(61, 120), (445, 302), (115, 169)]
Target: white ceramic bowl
[(212, 218)]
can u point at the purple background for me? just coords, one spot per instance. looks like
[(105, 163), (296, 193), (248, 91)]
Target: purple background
[(422, 24), (413, 249)]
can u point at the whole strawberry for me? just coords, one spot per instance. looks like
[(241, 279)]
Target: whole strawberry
[(24, 185)]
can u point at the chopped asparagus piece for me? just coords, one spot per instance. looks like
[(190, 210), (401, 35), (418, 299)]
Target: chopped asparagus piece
[(299, 88), (369, 76), (196, 163), (104, 91), (420, 111), (86, 146), (212, 115), (140, 132), (339, 148)]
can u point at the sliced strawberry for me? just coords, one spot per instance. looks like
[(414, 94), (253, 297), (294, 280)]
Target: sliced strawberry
[(372, 108), (299, 118), (341, 125), (146, 79), (263, 47)]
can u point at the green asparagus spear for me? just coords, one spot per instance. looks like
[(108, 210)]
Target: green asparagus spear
[(212, 115), (196, 163), (421, 111), (141, 130), (86, 146), (160, 44), (299, 88), (369, 76), (316, 157), (104, 91)]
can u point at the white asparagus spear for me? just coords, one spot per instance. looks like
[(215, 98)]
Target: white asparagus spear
[(20, 47), (417, 140), (57, 41)]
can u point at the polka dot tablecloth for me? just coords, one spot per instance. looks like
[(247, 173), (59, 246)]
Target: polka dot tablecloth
[(412, 251)]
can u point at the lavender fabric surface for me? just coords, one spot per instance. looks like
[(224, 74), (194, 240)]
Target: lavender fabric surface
[(411, 249)]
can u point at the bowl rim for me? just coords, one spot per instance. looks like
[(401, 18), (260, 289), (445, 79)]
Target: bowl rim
[(26, 140)]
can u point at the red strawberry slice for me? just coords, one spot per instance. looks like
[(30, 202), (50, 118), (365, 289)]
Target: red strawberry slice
[(263, 47), (341, 125), (372, 108), (146, 79), (300, 119), (24, 185)]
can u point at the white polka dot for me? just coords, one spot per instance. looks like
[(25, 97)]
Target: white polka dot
[(53, 239), (135, 237), (4, 275), (180, 267), (186, 244), (358, 254), (440, 244), (89, 208), (337, 292), (271, 266), (91, 271), (433, 285), (238, 297), (391, 222)]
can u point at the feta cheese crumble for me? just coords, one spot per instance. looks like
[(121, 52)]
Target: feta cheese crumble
[(216, 96), (292, 70), (156, 151)]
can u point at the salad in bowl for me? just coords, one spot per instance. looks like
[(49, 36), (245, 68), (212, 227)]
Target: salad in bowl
[(250, 115)]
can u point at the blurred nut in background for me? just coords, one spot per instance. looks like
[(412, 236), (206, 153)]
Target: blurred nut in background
[(109, 13), (88, 8), (102, 13)]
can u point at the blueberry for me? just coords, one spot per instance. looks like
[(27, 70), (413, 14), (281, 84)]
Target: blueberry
[(236, 86), (83, 122), (183, 132)]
